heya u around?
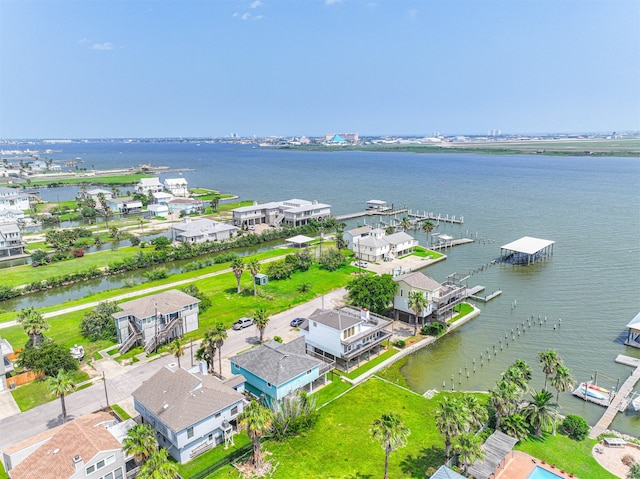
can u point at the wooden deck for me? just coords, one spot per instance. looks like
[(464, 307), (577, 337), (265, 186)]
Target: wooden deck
[(620, 399), (372, 212)]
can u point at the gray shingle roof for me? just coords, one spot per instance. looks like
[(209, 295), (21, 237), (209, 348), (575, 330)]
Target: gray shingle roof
[(419, 281), (180, 399), (277, 363), (444, 472), (336, 319), (397, 238), (167, 302)]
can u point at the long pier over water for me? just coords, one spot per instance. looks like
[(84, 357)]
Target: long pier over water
[(620, 400)]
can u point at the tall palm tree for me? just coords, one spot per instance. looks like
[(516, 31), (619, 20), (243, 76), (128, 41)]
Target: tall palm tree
[(515, 425), (176, 347), (59, 386), (405, 223), (427, 227), (254, 267), (468, 447), (219, 335), (516, 376), (237, 266), (504, 399), (417, 302), (549, 361), (158, 467), (523, 366), (257, 420), (562, 381), (452, 419), (104, 208), (261, 319), (207, 350), (140, 442), (539, 412), (392, 434), (33, 324)]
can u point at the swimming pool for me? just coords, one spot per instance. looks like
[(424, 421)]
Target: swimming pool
[(540, 473)]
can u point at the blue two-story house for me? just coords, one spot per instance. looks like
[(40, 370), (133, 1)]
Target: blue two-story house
[(273, 370), (190, 412)]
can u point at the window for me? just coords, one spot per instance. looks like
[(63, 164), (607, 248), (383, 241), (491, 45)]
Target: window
[(100, 465), (315, 324), (234, 410), (217, 415), (189, 432), (110, 459), (90, 469)]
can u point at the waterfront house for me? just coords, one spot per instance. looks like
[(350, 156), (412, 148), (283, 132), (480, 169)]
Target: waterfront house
[(346, 335), (12, 199), (185, 206), (156, 319), (126, 205), (11, 216), (147, 185), (162, 198), (442, 298), (293, 212), (161, 211), (374, 245), (190, 412), (94, 193), (6, 366), (201, 230), (274, 370), (11, 243), (177, 187), (87, 447)]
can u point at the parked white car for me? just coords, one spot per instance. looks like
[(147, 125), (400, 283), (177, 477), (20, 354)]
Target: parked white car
[(242, 323)]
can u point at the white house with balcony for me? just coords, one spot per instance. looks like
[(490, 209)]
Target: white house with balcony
[(156, 319), (190, 412), (12, 199), (199, 231), (178, 187), (441, 298), (346, 335), (11, 243), (6, 366), (293, 212), (375, 245), (147, 185)]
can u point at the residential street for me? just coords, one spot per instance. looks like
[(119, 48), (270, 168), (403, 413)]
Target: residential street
[(121, 381)]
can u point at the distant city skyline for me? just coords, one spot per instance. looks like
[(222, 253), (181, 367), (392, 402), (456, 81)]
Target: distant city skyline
[(209, 69)]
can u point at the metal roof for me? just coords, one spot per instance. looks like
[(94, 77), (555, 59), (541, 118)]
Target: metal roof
[(528, 245), (496, 448)]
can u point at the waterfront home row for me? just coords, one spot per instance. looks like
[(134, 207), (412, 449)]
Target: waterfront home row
[(293, 212), (373, 244)]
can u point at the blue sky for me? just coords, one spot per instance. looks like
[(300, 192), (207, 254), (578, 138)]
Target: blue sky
[(167, 68)]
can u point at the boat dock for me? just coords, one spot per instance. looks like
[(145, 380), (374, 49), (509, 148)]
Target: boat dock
[(473, 294), (621, 399), (372, 212), (450, 243), (418, 217)]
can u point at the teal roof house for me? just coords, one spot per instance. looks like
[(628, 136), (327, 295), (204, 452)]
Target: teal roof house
[(274, 370)]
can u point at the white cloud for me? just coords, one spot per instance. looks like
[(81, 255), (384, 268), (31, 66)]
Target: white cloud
[(102, 46), (257, 17), (255, 4), (246, 16)]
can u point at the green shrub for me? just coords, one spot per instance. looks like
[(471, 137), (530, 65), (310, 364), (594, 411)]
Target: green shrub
[(575, 427), (433, 329), (277, 339), (399, 343)]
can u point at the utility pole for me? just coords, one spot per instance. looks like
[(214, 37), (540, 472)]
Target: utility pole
[(104, 380)]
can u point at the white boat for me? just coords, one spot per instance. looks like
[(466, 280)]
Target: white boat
[(635, 403)]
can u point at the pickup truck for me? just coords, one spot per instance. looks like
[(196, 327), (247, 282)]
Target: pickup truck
[(242, 323)]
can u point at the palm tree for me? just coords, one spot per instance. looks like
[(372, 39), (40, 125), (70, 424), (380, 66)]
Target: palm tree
[(115, 191), (261, 319), (427, 227), (104, 207), (515, 425), (176, 347), (562, 381), (523, 366), (214, 203), (539, 412), (140, 442), (391, 433), (452, 419), (478, 414), (257, 420), (219, 335), (254, 268), (389, 230), (237, 266), (33, 324), (158, 467), (59, 386), (504, 399), (417, 302), (515, 375), (549, 361), (207, 350), (468, 447), (405, 223)]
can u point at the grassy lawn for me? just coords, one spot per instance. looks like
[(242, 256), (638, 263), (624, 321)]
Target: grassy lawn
[(424, 253), (463, 309), (393, 373), (201, 462), (3, 474), (370, 364), (340, 445), (574, 457), (331, 391), (115, 180), (35, 393), (121, 412)]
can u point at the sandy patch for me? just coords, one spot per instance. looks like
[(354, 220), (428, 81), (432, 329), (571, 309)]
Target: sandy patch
[(611, 458)]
